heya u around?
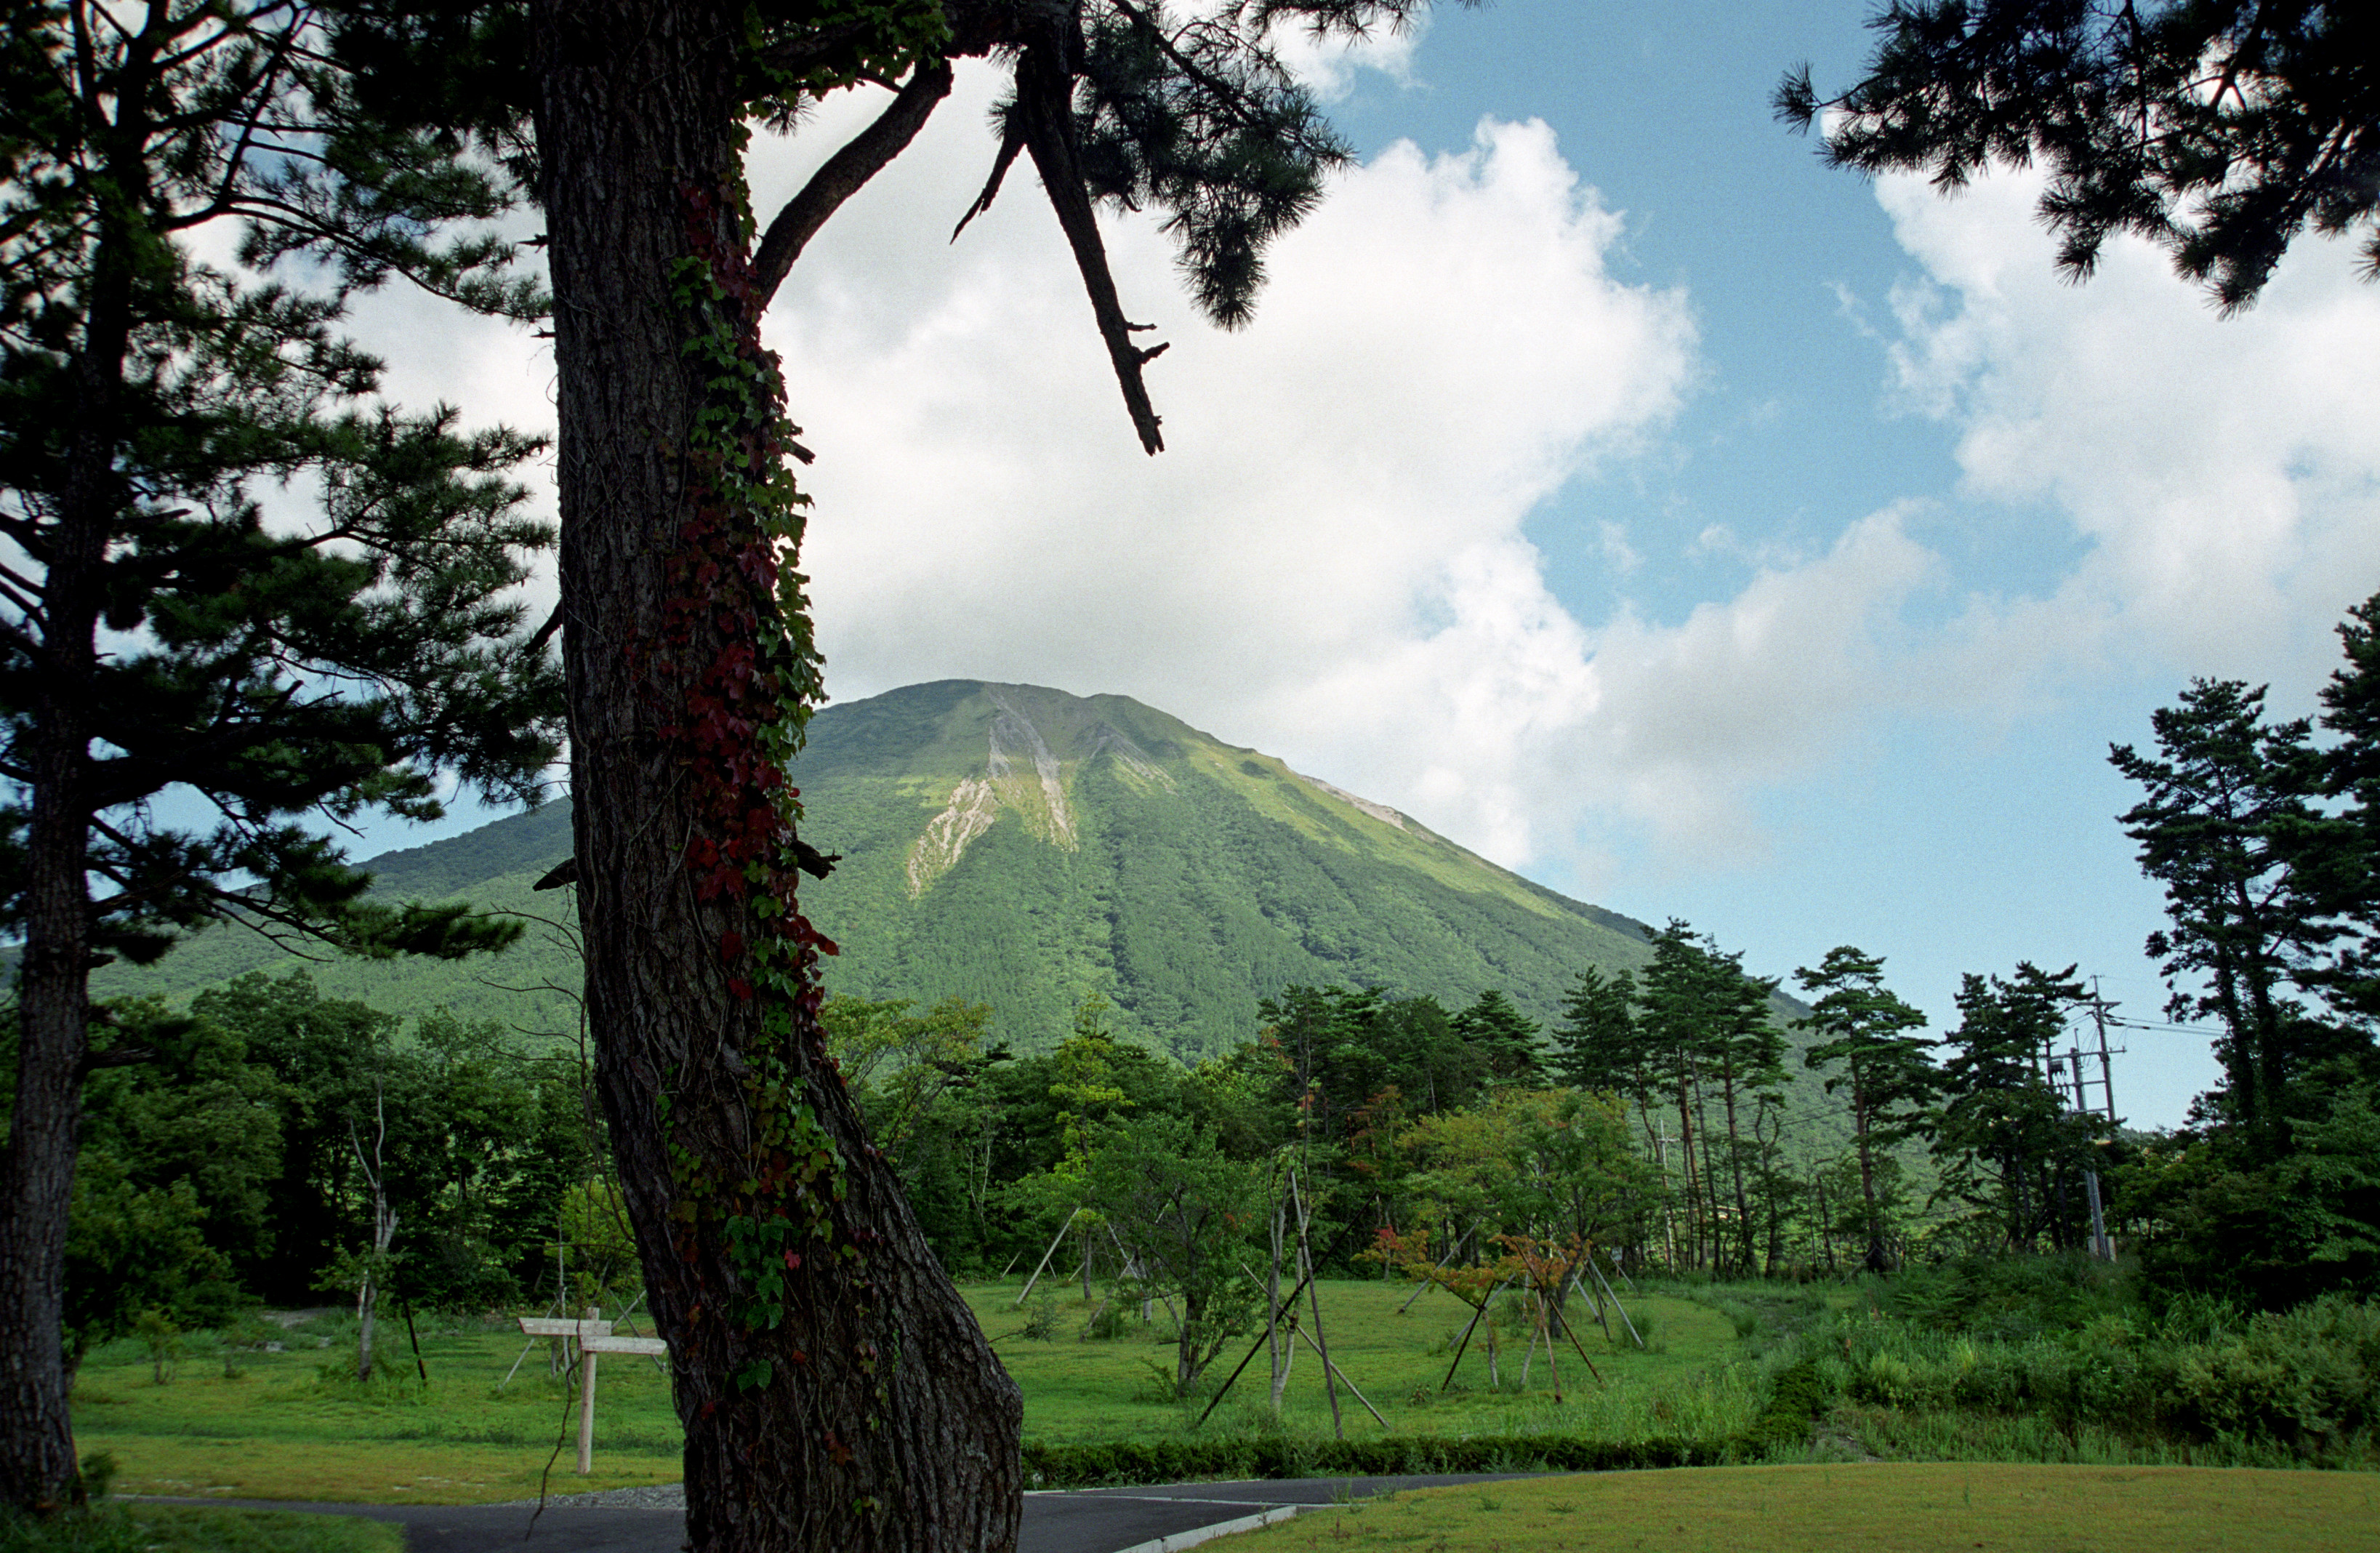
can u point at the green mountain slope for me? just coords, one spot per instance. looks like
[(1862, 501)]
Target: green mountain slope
[(1024, 847)]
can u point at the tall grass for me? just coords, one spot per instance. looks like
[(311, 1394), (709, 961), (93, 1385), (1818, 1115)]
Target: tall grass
[(2052, 1359)]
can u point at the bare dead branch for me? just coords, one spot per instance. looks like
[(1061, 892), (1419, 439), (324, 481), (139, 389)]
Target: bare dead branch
[(845, 173), (1044, 110)]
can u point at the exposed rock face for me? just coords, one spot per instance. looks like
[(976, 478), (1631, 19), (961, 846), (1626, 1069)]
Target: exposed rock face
[(974, 803), (1038, 797)]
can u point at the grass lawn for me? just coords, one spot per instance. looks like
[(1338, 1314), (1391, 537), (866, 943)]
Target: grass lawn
[(1952, 1507), (286, 1426), (289, 1425), (1692, 1379), (293, 1425), (156, 1528)]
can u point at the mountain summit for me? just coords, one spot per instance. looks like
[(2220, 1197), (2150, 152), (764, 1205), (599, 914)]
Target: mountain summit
[(1023, 847), (1026, 847)]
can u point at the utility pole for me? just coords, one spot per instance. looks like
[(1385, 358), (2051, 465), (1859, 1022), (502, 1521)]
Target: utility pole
[(2100, 1009), (2067, 1070), (2072, 1065)]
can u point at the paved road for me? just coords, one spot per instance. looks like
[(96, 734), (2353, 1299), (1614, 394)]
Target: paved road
[(1080, 1520)]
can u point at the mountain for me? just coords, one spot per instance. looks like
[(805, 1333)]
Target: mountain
[(1024, 847)]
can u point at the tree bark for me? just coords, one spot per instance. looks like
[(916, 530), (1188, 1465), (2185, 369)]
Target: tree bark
[(1877, 1261), (835, 1391), (36, 1456), (1745, 1230)]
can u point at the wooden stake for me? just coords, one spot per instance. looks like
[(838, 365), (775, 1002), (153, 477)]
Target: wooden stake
[(1591, 1297), (1465, 1344), (1343, 1375), (1571, 1334), (1314, 1295), (1615, 1301), (1245, 1359), (1045, 1259), (586, 1400), (1546, 1320), (1430, 1283), (526, 1350)]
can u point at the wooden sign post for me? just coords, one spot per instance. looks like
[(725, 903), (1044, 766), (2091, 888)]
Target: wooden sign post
[(594, 1335)]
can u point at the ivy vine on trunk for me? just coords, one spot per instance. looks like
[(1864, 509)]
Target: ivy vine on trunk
[(834, 1389)]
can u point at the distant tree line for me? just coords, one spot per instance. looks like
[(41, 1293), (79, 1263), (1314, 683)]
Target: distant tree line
[(1396, 1113), (254, 1157)]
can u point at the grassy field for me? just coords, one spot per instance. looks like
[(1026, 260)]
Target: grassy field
[(157, 1528), (289, 1425), (1997, 1507), (1694, 1378), (295, 1426)]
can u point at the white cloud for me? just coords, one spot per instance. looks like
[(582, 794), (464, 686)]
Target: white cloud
[(1329, 66), (2221, 472), (1329, 557), (1329, 560)]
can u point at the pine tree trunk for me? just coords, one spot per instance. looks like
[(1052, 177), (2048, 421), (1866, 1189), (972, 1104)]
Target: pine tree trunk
[(1875, 1260), (1769, 1150), (1826, 1220), (366, 1313), (1715, 1245), (835, 1391), (1272, 1311), (1746, 1230), (2012, 1173), (36, 1456), (1686, 1147)]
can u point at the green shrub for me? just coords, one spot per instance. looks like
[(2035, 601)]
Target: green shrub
[(2305, 1382), (1114, 1319), (1797, 1395), (1041, 1321), (2005, 1297), (162, 1337)]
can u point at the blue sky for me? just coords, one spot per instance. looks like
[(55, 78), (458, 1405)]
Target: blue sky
[(1947, 845), (1604, 482), (1944, 845)]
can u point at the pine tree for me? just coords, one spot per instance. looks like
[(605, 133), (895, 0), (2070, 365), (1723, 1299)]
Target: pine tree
[(1675, 1024), (2004, 1138), (175, 623), (2231, 825), (2349, 883), (1597, 1045), (1748, 1053), (1501, 1038), (835, 1392), (1864, 1030)]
